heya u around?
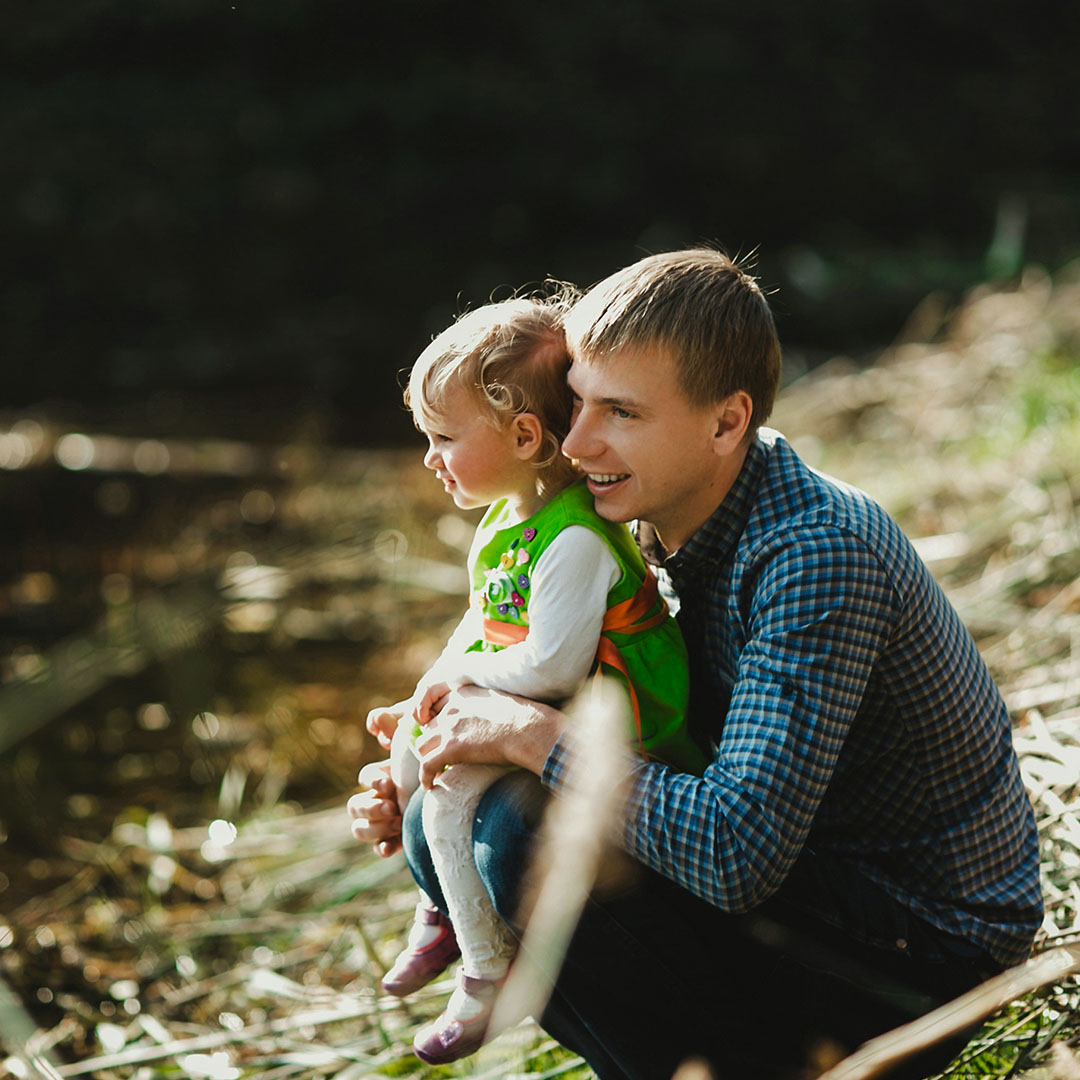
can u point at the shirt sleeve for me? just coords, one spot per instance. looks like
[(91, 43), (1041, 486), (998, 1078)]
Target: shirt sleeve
[(447, 665), (819, 617), (567, 603)]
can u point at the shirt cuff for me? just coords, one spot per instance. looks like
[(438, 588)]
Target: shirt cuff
[(553, 775)]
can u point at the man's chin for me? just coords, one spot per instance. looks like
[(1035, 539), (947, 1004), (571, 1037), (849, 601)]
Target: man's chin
[(611, 508)]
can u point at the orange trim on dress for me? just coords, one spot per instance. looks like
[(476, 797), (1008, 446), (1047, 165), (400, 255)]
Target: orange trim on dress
[(628, 617)]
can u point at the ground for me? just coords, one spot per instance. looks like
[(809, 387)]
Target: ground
[(194, 631)]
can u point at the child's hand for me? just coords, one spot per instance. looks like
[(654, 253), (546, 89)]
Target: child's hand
[(430, 700), (383, 721)]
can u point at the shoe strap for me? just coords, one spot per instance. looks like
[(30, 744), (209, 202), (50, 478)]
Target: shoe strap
[(430, 916), (477, 987)]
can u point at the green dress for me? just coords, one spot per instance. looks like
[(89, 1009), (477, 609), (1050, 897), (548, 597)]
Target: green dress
[(640, 645)]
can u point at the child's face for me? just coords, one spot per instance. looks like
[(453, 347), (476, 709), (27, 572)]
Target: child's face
[(473, 458)]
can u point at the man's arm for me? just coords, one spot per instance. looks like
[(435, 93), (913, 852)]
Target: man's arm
[(487, 727), (817, 622)]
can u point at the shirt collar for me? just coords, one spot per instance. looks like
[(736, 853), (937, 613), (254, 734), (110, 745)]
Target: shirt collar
[(715, 541)]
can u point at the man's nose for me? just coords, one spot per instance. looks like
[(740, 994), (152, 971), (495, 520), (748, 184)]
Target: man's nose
[(579, 438)]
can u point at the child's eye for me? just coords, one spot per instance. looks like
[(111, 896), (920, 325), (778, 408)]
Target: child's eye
[(622, 414)]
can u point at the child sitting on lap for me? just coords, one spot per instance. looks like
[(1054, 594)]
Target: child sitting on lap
[(555, 591)]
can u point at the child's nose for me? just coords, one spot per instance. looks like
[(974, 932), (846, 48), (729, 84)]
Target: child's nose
[(432, 459)]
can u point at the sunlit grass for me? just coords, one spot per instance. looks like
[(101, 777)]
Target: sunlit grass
[(235, 922)]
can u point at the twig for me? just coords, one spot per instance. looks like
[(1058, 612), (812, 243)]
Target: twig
[(879, 1054), (139, 1055), (183, 994)]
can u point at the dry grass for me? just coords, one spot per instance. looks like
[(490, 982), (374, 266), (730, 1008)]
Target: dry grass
[(158, 952), (973, 443)]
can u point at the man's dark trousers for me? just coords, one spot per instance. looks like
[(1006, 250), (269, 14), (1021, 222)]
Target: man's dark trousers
[(654, 975)]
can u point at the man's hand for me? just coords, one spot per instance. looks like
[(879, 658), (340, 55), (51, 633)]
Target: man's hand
[(383, 721), (487, 727), (376, 819)]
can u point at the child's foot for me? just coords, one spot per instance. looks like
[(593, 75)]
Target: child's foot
[(432, 947), (460, 1030)]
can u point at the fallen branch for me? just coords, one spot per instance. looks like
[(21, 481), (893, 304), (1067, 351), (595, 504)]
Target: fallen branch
[(877, 1055)]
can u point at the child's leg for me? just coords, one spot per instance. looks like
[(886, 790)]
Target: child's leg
[(404, 764), (487, 946), (431, 944)]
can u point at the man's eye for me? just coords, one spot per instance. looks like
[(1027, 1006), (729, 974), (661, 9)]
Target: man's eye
[(622, 414)]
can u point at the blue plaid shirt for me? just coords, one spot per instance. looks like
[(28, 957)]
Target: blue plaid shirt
[(848, 709)]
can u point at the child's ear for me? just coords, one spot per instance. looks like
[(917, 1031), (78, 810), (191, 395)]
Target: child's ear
[(733, 416), (528, 434)]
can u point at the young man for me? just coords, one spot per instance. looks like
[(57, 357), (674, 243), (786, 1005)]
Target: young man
[(861, 848)]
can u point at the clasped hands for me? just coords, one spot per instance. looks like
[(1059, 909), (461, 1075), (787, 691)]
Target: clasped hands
[(375, 812), (460, 725)]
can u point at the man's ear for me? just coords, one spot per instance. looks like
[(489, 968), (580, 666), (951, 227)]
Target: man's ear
[(528, 434), (733, 416)]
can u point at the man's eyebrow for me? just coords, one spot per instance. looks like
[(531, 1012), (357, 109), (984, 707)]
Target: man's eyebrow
[(621, 403), (630, 404)]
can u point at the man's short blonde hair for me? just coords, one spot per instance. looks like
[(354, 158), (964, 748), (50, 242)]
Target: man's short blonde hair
[(511, 357), (698, 305)]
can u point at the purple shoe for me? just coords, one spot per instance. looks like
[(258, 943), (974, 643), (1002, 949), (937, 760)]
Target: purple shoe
[(416, 967), (446, 1039)]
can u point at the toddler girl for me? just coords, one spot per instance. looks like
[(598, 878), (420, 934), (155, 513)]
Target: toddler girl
[(555, 591)]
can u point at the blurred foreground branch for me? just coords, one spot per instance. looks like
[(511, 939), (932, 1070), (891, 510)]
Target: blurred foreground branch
[(577, 831)]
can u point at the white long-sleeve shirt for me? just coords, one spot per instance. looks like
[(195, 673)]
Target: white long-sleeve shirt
[(567, 604)]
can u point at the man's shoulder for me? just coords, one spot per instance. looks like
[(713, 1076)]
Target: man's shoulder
[(795, 500)]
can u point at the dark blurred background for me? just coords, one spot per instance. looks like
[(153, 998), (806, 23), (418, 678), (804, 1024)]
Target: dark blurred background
[(221, 215)]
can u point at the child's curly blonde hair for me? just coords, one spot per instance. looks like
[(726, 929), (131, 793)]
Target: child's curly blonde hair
[(511, 357)]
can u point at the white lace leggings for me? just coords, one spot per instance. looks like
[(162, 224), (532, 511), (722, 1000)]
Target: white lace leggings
[(486, 943)]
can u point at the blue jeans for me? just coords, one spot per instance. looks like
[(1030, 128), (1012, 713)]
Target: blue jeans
[(654, 975)]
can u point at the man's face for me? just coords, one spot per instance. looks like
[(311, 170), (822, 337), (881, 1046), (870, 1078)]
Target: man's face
[(647, 451)]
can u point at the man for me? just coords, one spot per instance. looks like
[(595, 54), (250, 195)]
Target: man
[(861, 847)]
